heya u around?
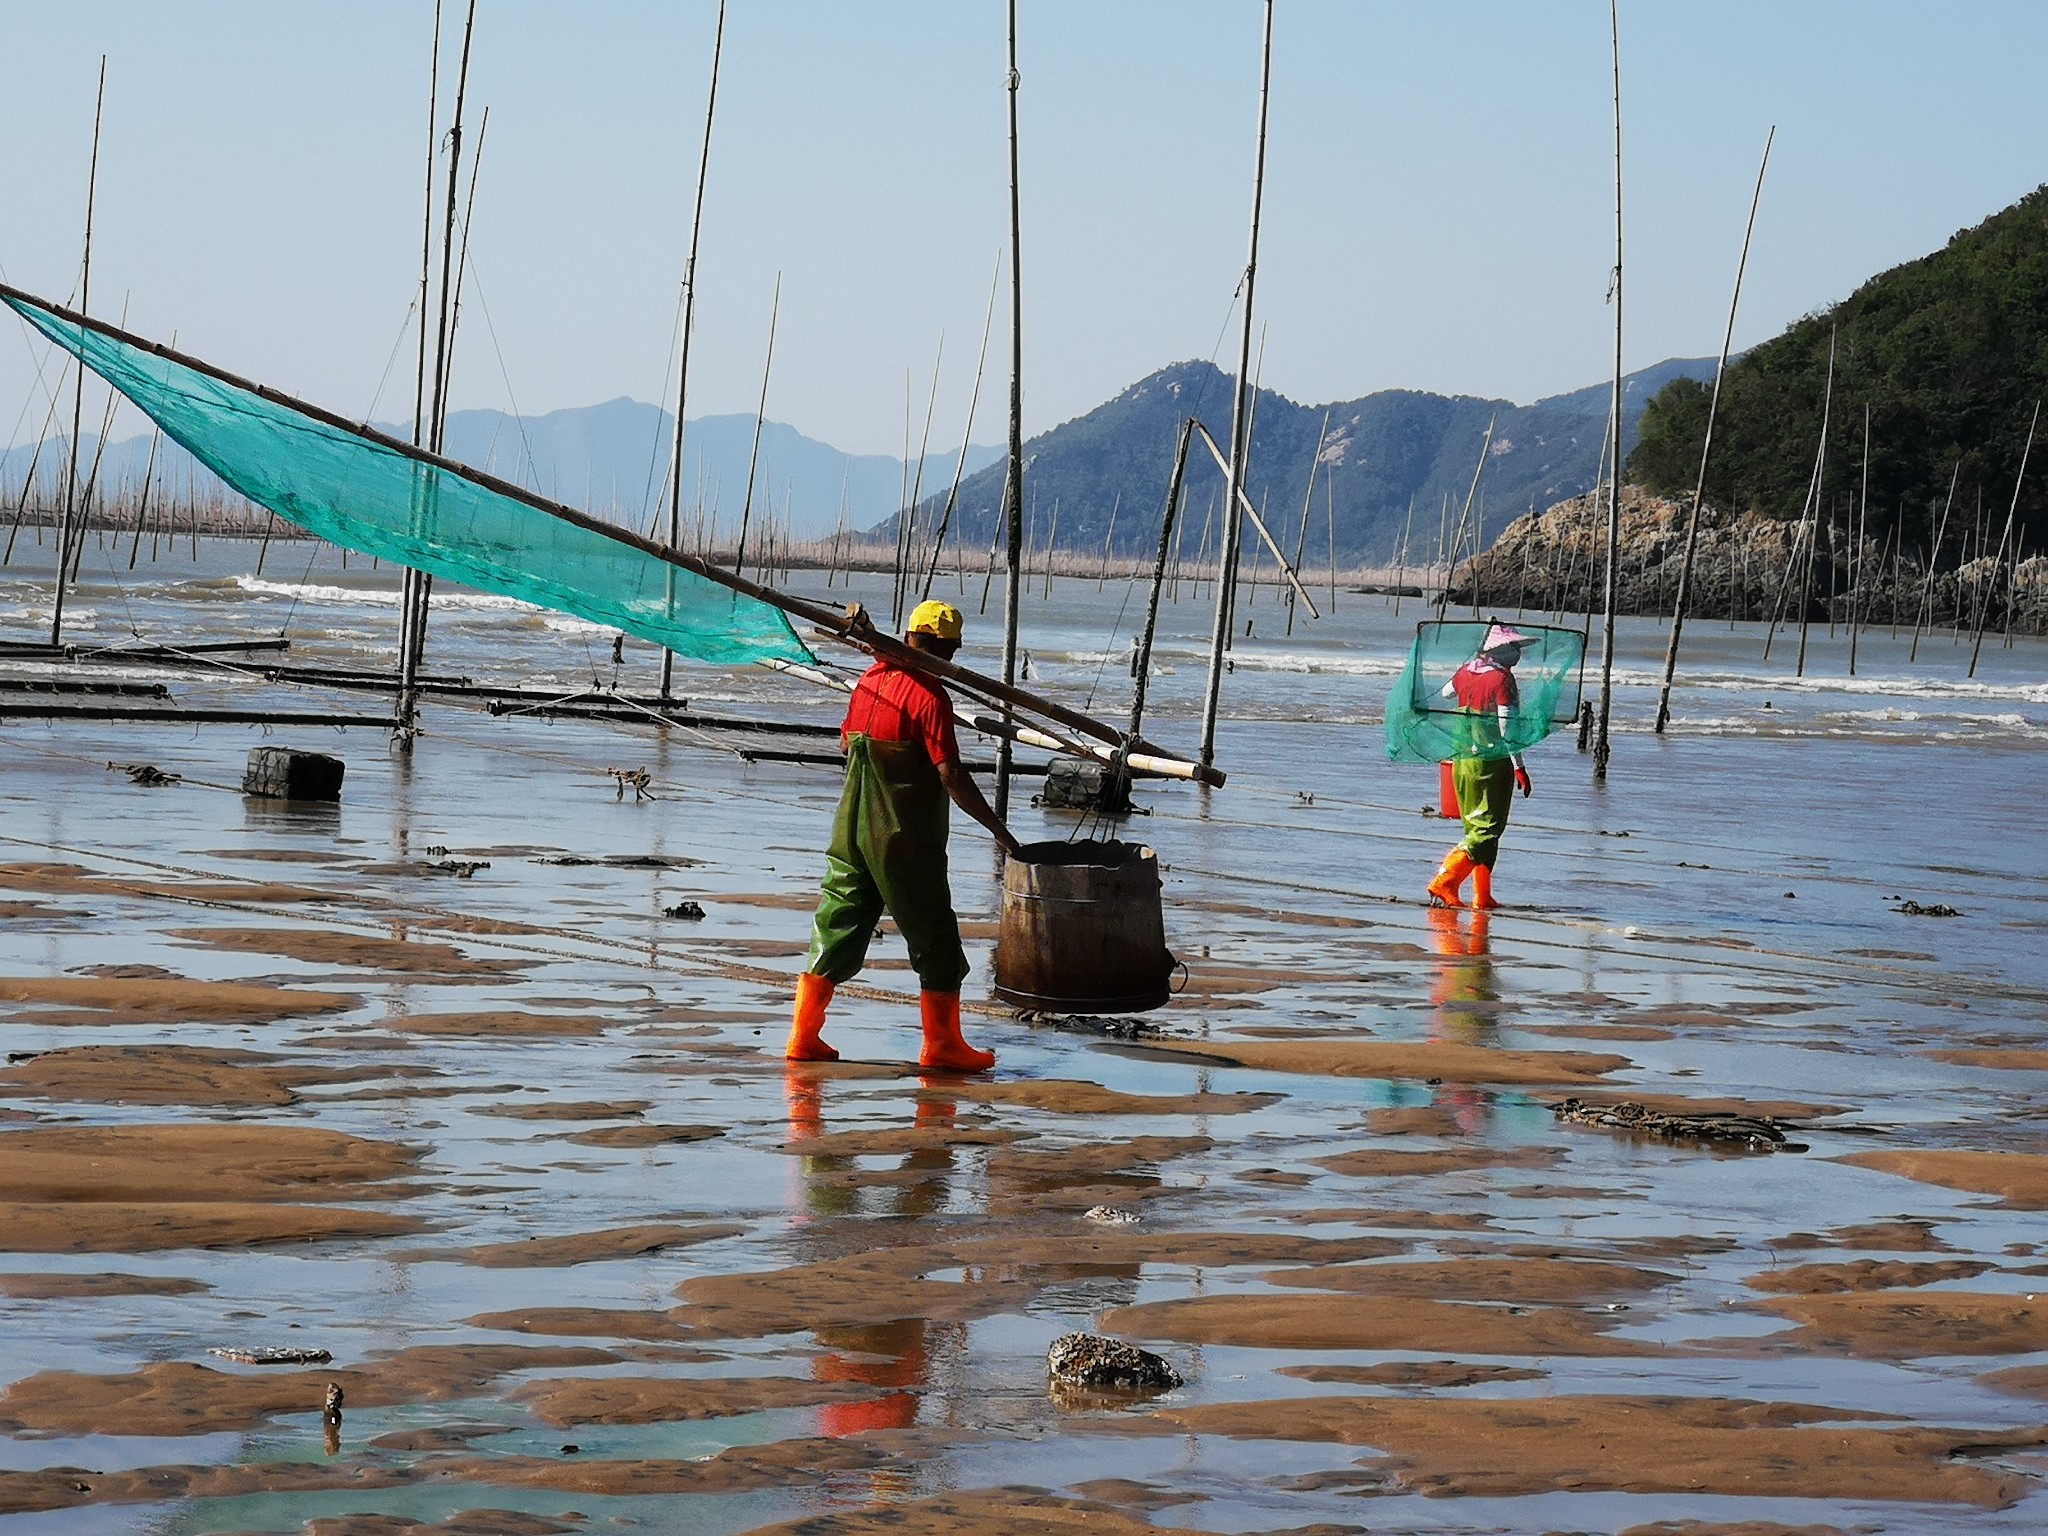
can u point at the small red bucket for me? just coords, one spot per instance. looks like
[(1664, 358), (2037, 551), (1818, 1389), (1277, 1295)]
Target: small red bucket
[(1447, 793)]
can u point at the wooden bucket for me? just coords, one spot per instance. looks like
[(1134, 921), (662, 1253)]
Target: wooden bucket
[(1082, 930)]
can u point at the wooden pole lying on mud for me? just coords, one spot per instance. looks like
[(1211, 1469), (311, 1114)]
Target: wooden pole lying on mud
[(1240, 440), (675, 497), (78, 395), (1699, 491), (1602, 746)]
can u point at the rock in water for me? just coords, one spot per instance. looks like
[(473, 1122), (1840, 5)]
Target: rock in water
[(1089, 1361)]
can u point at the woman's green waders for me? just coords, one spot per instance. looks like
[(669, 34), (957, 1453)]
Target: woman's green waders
[(888, 854), (1486, 791)]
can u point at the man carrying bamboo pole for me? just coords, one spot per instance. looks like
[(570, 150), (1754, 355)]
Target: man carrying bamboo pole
[(888, 850)]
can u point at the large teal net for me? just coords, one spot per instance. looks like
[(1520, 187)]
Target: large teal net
[(375, 499), (1427, 723)]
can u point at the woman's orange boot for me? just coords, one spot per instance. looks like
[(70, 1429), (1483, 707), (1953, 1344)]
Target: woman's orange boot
[(943, 1046), (1444, 888), (1482, 889), (813, 996)]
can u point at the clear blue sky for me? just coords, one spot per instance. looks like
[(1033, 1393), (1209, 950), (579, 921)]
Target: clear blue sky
[(1438, 212)]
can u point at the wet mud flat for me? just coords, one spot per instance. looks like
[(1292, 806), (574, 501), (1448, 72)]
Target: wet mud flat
[(518, 1154)]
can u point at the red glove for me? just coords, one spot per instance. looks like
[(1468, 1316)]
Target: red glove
[(1522, 781)]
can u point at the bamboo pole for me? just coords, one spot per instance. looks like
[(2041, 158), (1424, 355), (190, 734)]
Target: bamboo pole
[(422, 585), (1699, 493), (1443, 597), (739, 558), (1858, 561), (1141, 663), (909, 520), (1330, 508), (1245, 507), (1923, 615), (92, 179), (142, 507), (1108, 541), (1602, 743), (1809, 509), (675, 500), (1998, 561), (1308, 499), (1240, 445), (966, 438), (1013, 518)]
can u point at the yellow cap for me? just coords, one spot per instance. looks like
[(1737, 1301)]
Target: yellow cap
[(936, 618)]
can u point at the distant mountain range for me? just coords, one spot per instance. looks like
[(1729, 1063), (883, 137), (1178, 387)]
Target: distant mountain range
[(1383, 454), (611, 459)]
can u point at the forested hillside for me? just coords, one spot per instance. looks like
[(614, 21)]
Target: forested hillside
[(1949, 355)]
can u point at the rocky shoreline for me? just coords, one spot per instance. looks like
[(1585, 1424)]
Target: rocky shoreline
[(1556, 559)]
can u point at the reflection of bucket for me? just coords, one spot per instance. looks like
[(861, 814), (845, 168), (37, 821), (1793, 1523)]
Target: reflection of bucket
[(1082, 930), (1447, 793)]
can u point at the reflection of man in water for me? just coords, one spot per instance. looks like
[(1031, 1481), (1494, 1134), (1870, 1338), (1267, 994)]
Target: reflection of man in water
[(894, 1356), (1462, 998), (1484, 773)]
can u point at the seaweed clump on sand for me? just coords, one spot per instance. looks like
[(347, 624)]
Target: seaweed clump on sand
[(1746, 1133)]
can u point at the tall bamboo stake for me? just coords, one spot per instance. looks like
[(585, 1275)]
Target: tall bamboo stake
[(675, 497), (1458, 537), (1602, 745), (142, 508), (1013, 520), (966, 439), (92, 179), (423, 584), (1858, 562), (1692, 522), (1984, 608), (1141, 663), (1808, 511), (1240, 444), (1330, 510), (1924, 613), (924, 449), (1308, 500), (760, 415), (1108, 541)]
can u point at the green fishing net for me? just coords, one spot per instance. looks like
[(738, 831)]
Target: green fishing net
[(376, 500), (1425, 723)]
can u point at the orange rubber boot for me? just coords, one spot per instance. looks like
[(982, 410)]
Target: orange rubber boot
[(1482, 889), (943, 1047), (1444, 888), (813, 996)]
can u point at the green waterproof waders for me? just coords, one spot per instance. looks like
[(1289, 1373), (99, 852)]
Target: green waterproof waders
[(1486, 791), (888, 854)]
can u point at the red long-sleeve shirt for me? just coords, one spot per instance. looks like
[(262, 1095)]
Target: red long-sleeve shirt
[(891, 704)]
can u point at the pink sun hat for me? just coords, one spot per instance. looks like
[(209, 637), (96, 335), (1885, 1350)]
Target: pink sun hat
[(1504, 635)]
